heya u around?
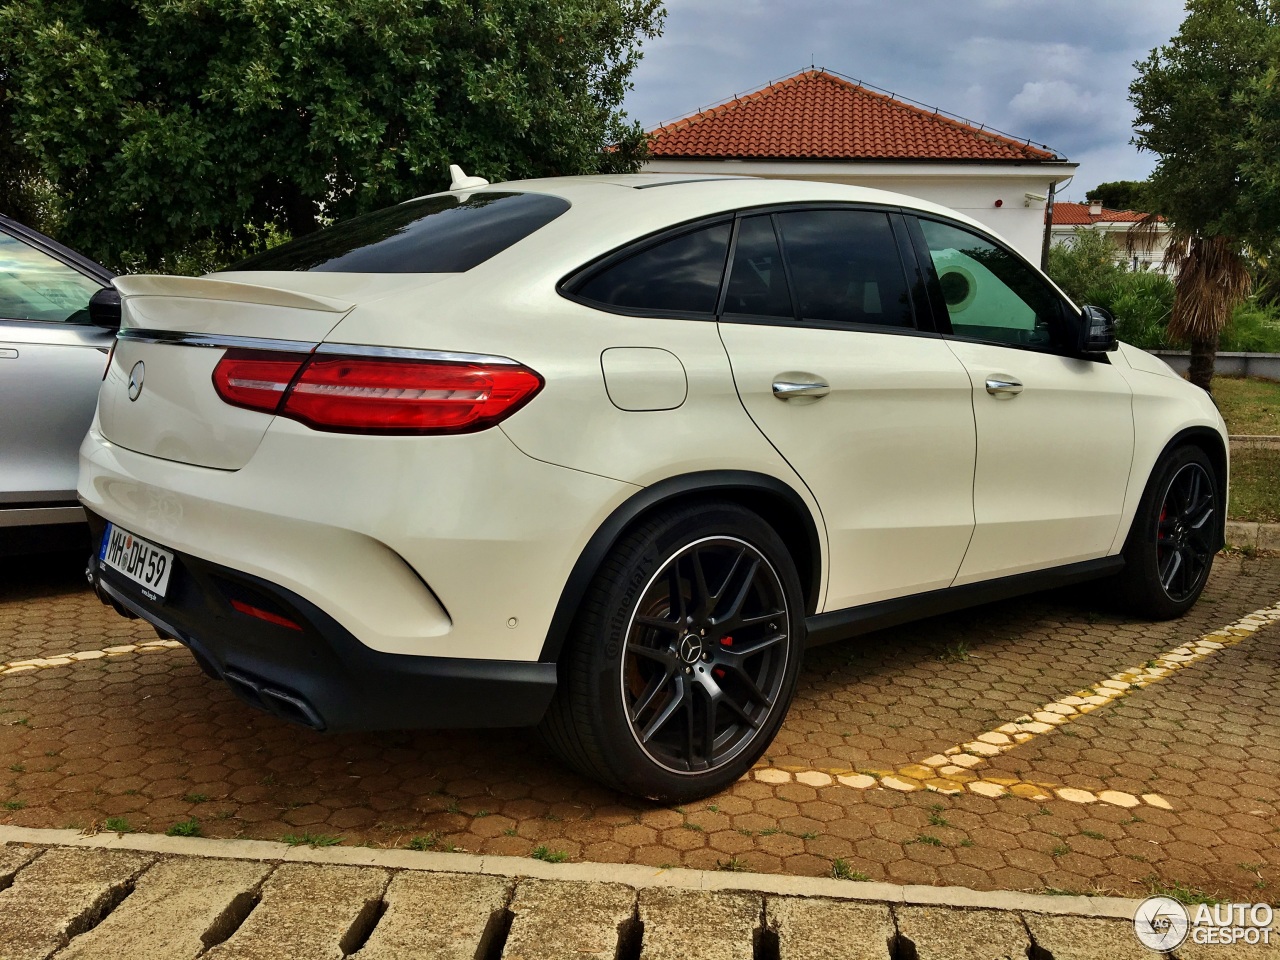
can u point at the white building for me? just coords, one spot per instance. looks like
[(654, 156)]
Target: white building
[(1144, 254), (820, 126)]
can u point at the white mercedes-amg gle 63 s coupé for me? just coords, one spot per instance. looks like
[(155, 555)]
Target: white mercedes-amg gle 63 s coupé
[(603, 454)]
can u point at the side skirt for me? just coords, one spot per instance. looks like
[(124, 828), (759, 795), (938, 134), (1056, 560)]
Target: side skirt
[(836, 625)]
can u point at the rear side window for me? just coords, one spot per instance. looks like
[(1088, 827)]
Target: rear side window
[(758, 282), (439, 234), (845, 267), (680, 275)]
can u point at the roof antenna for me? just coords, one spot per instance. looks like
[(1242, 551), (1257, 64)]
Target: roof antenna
[(460, 181)]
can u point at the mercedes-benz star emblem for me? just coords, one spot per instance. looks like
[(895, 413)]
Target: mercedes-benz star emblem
[(690, 649), (135, 380)]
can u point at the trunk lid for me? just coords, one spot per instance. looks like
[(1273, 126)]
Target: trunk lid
[(173, 332)]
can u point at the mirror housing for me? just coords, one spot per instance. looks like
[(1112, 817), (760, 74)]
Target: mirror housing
[(1097, 331), (104, 308)]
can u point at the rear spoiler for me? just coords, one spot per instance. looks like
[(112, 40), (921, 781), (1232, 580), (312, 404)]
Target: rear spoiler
[(203, 288)]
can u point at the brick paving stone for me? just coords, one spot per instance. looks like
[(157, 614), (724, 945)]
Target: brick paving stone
[(174, 906), (553, 921), (680, 924), (818, 929), (148, 738), (61, 893), (941, 933), (307, 912), (441, 916)]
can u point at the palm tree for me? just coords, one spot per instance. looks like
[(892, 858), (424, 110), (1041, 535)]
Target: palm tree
[(1212, 279)]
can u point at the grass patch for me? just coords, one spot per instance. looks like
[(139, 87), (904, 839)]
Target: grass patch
[(196, 798), (1092, 834), (184, 828), (546, 854), (14, 804), (938, 820), (1255, 485), (1061, 850), (117, 825), (1179, 891), (310, 840), (842, 871), (426, 842), (927, 839), (1250, 406), (733, 865)]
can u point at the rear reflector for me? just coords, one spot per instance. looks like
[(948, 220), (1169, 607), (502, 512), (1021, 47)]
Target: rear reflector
[(249, 610), (348, 394)]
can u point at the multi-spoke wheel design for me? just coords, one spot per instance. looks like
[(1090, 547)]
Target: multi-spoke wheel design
[(1176, 532), (1186, 531), (706, 655), (684, 656)]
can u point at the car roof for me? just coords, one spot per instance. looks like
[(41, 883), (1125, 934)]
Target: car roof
[(689, 196)]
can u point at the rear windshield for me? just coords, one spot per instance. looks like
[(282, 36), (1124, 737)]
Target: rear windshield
[(439, 234)]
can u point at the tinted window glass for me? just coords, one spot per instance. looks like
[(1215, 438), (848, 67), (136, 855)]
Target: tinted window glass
[(35, 286), (758, 284), (681, 275), (441, 234), (845, 267), (991, 294)]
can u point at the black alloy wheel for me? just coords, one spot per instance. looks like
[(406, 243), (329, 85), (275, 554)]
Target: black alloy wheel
[(1186, 531), (684, 656), (1176, 532), (706, 655)]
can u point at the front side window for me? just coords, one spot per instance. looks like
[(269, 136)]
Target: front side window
[(676, 276), (36, 286), (989, 293), (446, 233), (845, 268)]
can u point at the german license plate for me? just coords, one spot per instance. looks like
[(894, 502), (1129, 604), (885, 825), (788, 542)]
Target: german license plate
[(144, 563)]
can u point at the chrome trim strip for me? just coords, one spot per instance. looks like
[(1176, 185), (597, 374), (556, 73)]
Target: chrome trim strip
[(217, 341), (398, 353)]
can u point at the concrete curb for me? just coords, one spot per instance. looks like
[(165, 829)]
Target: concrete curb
[(1256, 536), (632, 875)]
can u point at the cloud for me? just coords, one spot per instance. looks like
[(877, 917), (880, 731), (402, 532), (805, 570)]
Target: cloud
[(1055, 73)]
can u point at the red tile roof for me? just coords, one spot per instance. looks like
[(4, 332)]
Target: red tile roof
[(817, 116), (1078, 215)]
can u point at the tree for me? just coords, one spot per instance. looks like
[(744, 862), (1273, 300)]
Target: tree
[(168, 123), (1121, 195), (1208, 104)]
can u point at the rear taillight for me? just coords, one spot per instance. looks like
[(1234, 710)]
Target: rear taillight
[(256, 379), (354, 394)]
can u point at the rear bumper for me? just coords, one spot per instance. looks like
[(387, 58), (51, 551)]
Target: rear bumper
[(318, 674)]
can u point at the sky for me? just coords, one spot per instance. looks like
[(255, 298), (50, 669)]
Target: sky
[(1055, 72)]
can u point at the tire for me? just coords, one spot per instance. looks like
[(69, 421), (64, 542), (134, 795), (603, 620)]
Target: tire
[(694, 620), (1175, 534)]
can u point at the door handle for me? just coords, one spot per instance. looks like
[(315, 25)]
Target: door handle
[(789, 389), (8, 354), (1003, 387)]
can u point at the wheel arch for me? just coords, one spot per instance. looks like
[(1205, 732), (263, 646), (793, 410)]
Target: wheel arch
[(1210, 442), (773, 500)]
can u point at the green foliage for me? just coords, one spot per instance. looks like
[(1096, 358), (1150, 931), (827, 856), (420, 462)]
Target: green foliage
[(1122, 195), (1083, 265), (184, 828), (1208, 104), (166, 126), (1253, 328), (545, 853)]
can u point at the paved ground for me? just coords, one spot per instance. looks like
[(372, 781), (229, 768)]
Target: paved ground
[(1143, 760), (156, 898)]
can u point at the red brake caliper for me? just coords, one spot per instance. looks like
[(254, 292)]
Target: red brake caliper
[(725, 642), (1164, 512)]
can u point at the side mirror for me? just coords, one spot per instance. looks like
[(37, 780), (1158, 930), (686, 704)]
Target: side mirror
[(1097, 331), (104, 308)]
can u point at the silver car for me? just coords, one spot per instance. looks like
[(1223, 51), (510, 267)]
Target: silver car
[(52, 357)]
